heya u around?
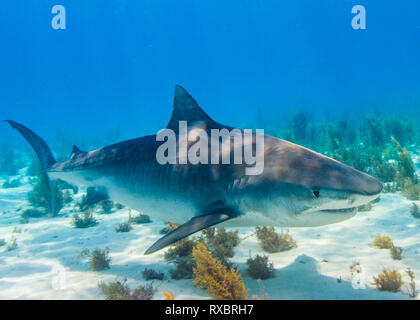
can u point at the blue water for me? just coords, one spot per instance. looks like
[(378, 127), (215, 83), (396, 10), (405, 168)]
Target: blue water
[(115, 65)]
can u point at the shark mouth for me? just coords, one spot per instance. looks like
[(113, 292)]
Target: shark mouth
[(345, 210)]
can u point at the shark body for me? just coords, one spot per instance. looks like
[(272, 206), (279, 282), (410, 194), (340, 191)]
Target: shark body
[(298, 187)]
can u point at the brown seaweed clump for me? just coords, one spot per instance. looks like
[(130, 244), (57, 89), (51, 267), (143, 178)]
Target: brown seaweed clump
[(169, 295), (99, 259), (396, 253), (119, 290), (272, 242), (412, 292), (414, 210), (260, 268), (382, 242), (222, 283), (86, 220), (388, 280)]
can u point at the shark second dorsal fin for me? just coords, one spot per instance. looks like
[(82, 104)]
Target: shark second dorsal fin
[(186, 109)]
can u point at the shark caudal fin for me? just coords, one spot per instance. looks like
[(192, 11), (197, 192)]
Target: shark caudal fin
[(44, 154)]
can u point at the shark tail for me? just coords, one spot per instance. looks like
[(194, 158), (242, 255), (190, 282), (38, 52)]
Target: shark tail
[(44, 154)]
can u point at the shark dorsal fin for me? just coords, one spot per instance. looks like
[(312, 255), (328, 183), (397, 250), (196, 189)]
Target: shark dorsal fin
[(186, 109), (75, 152)]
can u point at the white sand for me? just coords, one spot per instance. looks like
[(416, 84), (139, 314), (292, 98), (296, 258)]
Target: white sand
[(44, 265)]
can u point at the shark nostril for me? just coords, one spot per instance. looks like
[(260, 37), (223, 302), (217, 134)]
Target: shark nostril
[(316, 193)]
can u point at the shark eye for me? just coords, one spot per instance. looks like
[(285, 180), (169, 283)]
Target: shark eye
[(316, 193)]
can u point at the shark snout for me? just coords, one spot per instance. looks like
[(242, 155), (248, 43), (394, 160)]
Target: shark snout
[(364, 184), (338, 176), (373, 186), (357, 189)]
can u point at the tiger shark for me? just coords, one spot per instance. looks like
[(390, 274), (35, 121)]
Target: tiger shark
[(296, 188)]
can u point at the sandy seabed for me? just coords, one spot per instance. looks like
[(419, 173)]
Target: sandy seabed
[(45, 265)]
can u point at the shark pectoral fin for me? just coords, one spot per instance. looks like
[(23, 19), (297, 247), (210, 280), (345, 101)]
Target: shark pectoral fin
[(188, 228)]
